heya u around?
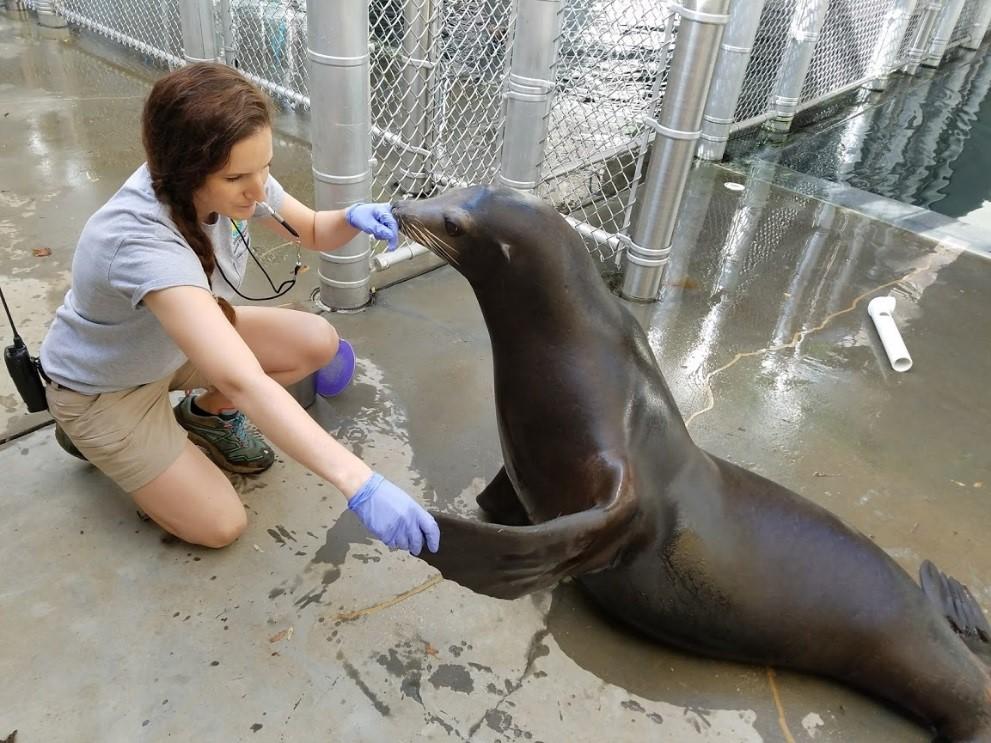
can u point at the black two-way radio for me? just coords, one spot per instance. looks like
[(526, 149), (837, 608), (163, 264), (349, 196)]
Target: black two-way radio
[(24, 369)]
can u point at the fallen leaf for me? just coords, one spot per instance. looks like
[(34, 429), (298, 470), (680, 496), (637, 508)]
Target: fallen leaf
[(285, 634), (41, 252), (257, 548), (979, 484), (957, 482), (431, 650)]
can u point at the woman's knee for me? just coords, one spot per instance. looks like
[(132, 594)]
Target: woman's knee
[(194, 501), (323, 342), (220, 530)]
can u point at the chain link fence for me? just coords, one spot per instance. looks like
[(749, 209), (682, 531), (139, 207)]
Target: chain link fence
[(965, 22), (762, 69), (438, 75), (611, 73), (846, 47), (154, 29), (266, 39), (843, 55), (440, 69)]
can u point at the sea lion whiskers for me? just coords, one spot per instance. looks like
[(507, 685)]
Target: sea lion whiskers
[(431, 241)]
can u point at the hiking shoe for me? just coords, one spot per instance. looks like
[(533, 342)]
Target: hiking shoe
[(66, 443), (231, 443)]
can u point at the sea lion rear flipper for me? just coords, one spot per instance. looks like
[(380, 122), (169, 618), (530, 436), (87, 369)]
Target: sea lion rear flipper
[(960, 608), (510, 561), (501, 503)]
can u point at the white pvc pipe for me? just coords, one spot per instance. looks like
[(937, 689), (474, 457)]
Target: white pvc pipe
[(403, 253), (880, 309)]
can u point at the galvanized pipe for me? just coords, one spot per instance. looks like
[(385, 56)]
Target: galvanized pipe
[(923, 34), (944, 32), (50, 14), (199, 34), (893, 31), (727, 82), (980, 26), (676, 137), (418, 80), (229, 52), (340, 132), (530, 87), (803, 36)]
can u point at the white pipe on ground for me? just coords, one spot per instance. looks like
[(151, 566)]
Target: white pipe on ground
[(880, 309)]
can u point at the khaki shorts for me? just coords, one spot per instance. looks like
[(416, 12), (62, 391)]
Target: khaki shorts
[(131, 435)]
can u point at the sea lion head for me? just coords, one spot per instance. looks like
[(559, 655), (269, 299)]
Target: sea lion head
[(483, 231)]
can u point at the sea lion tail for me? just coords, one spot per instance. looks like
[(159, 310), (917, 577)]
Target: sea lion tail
[(955, 601)]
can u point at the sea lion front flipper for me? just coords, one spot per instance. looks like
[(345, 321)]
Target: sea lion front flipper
[(955, 601), (501, 503), (510, 561)]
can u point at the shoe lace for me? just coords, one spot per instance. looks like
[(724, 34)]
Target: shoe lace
[(238, 425)]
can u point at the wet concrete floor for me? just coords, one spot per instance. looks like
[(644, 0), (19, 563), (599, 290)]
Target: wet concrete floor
[(306, 629)]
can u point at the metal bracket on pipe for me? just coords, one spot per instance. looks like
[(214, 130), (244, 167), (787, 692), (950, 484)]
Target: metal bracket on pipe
[(528, 88), (342, 180), (331, 61), (801, 36), (641, 256), (716, 120), (671, 133), (784, 102), (421, 64), (518, 185), (342, 260), (718, 19)]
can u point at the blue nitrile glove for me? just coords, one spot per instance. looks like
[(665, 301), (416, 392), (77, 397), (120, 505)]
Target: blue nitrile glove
[(394, 517), (376, 220)]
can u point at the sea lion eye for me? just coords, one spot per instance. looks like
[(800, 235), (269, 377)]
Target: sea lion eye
[(452, 229)]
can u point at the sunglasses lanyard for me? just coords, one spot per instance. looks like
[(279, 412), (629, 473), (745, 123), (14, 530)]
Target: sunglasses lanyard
[(284, 287)]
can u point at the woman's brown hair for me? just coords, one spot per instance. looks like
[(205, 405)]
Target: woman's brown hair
[(191, 120)]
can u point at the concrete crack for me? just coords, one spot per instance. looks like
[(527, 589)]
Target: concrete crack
[(536, 650), (795, 340)]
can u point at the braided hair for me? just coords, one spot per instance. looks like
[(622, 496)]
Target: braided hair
[(192, 119)]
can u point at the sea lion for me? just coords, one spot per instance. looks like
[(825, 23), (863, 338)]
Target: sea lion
[(602, 482)]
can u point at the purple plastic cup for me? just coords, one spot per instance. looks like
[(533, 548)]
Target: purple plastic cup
[(334, 378)]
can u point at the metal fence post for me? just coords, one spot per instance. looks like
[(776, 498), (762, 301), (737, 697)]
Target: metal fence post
[(229, 51), (727, 82), (340, 132), (49, 14), (528, 98), (675, 140), (199, 33), (416, 150), (923, 33), (944, 30), (802, 38), (893, 31), (980, 27)]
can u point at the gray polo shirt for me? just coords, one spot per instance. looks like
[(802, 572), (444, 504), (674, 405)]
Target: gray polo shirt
[(104, 338)]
